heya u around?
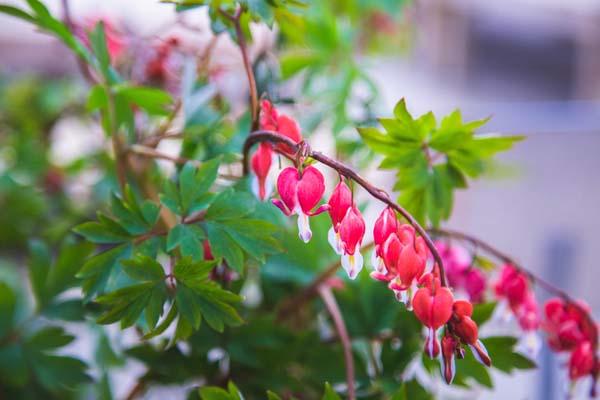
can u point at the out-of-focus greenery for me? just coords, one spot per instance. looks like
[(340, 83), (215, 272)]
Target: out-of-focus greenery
[(137, 255)]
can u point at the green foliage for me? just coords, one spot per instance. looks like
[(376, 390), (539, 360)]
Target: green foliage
[(432, 160)]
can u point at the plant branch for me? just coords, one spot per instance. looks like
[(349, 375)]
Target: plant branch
[(235, 20), (342, 169), (340, 327), (162, 131)]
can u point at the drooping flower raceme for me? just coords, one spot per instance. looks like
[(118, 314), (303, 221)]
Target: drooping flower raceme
[(351, 232), (339, 203), (300, 193)]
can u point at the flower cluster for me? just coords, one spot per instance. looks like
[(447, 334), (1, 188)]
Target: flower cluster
[(271, 120), (570, 329), (514, 288), (460, 272), (435, 307)]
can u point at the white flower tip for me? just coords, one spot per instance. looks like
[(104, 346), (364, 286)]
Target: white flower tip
[(304, 228), (352, 264), (334, 241)]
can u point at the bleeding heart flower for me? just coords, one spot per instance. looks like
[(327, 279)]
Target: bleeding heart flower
[(460, 272), (339, 203), (272, 120), (352, 231), (512, 285), (261, 165), (300, 193), (466, 330), (449, 347), (566, 325), (385, 225), (582, 361), (405, 257), (432, 305)]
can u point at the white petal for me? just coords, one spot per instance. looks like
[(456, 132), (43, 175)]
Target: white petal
[(476, 354), (254, 186), (334, 240), (304, 227), (352, 264)]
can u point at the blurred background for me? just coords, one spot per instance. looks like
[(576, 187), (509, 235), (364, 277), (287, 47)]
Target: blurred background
[(532, 65)]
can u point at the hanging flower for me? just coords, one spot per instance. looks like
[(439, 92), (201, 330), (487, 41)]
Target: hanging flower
[(450, 346), (300, 192), (339, 203), (351, 232), (404, 256), (466, 330), (385, 225), (272, 120), (460, 272), (433, 307), (261, 165)]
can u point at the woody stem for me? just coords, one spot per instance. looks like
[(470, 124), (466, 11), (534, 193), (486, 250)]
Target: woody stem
[(235, 20), (348, 172), (340, 327)]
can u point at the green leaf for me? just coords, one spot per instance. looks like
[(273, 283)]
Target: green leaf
[(154, 101), (97, 232), (188, 306), (195, 182), (412, 390), (223, 246), (49, 338), (189, 240), (97, 99), (330, 394), (192, 273), (214, 393), (16, 12), (483, 312), (127, 304), (97, 39), (8, 301), (143, 269), (164, 324), (229, 205), (39, 266), (97, 269)]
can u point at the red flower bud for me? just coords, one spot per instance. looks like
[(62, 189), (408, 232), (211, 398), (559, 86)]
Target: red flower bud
[(351, 231), (466, 330), (272, 120), (261, 164), (300, 193), (339, 203), (450, 346)]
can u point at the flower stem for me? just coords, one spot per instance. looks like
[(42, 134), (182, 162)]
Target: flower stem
[(340, 327)]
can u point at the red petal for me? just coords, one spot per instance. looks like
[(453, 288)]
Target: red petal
[(288, 127), (310, 189), (339, 203), (287, 186), (385, 225), (391, 253), (463, 308), (352, 230)]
